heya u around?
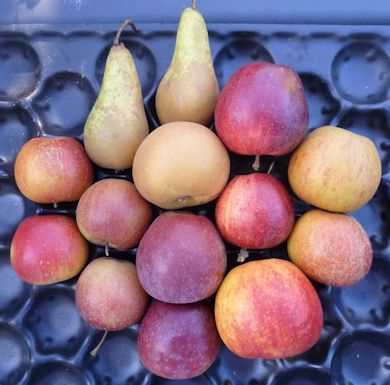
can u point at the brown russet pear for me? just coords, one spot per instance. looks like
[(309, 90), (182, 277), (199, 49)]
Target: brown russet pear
[(189, 89), (181, 164), (117, 124)]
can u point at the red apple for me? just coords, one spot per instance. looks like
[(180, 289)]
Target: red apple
[(178, 341), (48, 249), (331, 248), (111, 212), (255, 212), (109, 295), (268, 309), (181, 258), (50, 170), (262, 110)]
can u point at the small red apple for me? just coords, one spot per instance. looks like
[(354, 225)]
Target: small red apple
[(48, 249), (262, 110), (111, 212), (255, 212), (109, 295), (50, 170), (181, 258), (268, 309)]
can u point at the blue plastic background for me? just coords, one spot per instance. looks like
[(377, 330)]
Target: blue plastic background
[(42, 339), (215, 11)]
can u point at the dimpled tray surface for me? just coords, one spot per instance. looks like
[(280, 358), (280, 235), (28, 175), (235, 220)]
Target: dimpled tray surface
[(49, 79)]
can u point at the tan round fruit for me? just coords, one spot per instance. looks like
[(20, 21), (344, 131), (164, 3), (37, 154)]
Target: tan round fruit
[(181, 164)]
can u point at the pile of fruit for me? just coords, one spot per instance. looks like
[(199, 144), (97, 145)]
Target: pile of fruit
[(263, 309)]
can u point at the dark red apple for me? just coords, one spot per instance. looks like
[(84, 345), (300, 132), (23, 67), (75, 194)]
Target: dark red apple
[(262, 110), (48, 249), (181, 258), (268, 309), (50, 170), (178, 341), (109, 295), (255, 212), (111, 212)]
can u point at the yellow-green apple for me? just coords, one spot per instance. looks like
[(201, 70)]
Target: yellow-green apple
[(268, 309), (178, 341), (335, 170), (331, 248), (181, 258), (111, 212), (109, 295), (262, 110), (181, 164), (255, 211), (48, 249), (50, 170)]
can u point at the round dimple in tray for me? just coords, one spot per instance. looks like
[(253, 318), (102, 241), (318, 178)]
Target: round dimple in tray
[(50, 78)]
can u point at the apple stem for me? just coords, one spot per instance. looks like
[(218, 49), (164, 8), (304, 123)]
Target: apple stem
[(55, 205), (122, 27), (193, 4), (271, 166), (94, 351), (242, 255), (106, 251), (256, 163)]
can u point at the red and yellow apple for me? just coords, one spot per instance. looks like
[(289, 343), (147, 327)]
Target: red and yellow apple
[(268, 309), (50, 170), (335, 170), (255, 211), (262, 110), (109, 295), (111, 212), (330, 248), (48, 249)]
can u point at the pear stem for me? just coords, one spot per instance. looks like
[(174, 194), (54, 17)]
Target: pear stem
[(55, 205), (106, 251), (193, 4), (122, 27), (94, 351), (256, 163), (242, 255), (271, 166)]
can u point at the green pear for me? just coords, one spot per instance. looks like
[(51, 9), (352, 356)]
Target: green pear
[(189, 89), (117, 124)]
